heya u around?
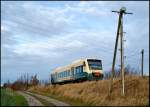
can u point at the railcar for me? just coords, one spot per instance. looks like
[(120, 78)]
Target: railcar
[(79, 70)]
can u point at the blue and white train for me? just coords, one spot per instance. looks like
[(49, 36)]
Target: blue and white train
[(80, 70)]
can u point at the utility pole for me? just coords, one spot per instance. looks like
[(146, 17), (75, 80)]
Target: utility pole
[(119, 30), (142, 62), (122, 54)]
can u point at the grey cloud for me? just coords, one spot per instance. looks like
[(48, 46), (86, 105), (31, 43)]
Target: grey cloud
[(35, 21)]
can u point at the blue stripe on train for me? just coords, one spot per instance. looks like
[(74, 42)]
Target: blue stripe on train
[(80, 75), (75, 77)]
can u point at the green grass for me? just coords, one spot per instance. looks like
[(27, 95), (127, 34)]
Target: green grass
[(11, 98), (72, 102)]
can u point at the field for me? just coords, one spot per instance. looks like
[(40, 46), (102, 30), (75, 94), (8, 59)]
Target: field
[(96, 93), (11, 98)]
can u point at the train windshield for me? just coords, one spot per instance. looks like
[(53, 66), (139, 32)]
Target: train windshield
[(95, 64)]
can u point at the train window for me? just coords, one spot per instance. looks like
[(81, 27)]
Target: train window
[(61, 74), (69, 72), (72, 72), (95, 64), (81, 68), (65, 74), (76, 70), (56, 76)]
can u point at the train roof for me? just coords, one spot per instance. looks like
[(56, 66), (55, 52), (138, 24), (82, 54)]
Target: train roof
[(73, 64)]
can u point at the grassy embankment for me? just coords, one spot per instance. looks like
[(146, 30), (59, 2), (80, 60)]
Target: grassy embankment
[(11, 98), (96, 93)]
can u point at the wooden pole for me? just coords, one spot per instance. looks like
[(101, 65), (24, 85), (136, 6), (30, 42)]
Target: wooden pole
[(115, 52), (142, 62), (122, 54)]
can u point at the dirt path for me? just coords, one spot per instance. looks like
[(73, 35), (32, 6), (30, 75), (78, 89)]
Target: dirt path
[(31, 100), (51, 100)]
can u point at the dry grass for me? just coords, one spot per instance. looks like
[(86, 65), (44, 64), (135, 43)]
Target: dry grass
[(96, 93)]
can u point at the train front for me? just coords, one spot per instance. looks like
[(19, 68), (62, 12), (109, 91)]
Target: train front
[(95, 67)]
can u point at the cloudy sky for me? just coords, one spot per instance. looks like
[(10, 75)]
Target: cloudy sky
[(37, 37)]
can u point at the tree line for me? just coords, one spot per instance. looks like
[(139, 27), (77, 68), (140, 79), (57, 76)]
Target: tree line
[(128, 70), (25, 82)]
